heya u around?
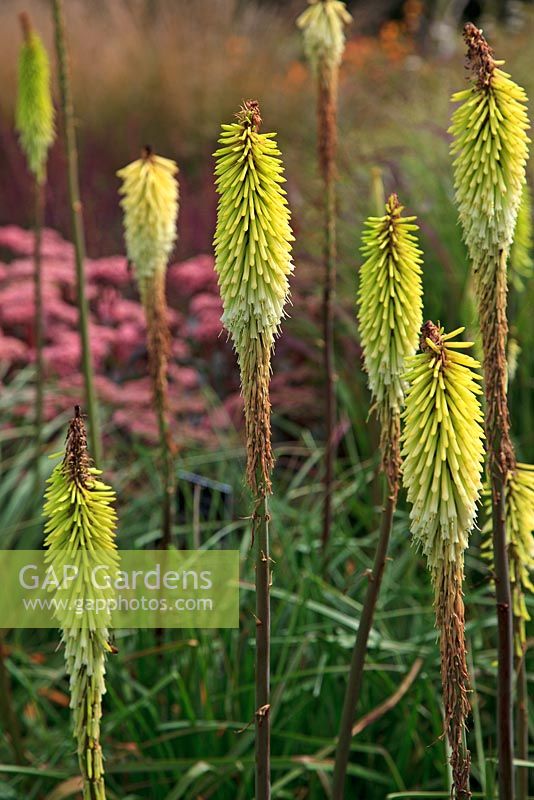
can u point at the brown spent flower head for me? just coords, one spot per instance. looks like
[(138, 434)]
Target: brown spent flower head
[(479, 58), (77, 460), (249, 113)]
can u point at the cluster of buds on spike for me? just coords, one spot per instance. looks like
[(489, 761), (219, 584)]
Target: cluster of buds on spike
[(34, 116), (80, 524), (253, 262), (323, 26)]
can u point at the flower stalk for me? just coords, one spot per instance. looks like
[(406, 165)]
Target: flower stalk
[(389, 311), (491, 148), (67, 111), (80, 522), (322, 25), (150, 195), (443, 457), (253, 262), (35, 125)]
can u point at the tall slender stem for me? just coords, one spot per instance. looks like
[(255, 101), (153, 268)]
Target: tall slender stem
[(494, 327), (39, 189), (67, 109), (327, 141), (158, 354), (354, 685), (522, 728), (263, 645)]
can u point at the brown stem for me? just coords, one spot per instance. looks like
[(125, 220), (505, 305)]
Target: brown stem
[(327, 142), (450, 622), (67, 109), (492, 295), (391, 466), (11, 723), (522, 727), (39, 327), (159, 342)]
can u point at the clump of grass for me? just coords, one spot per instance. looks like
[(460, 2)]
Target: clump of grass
[(323, 25), (71, 151), (253, 262), (81, 520), (390, 316), (491, 148), (150, 202), (443, 458), (35, 125)]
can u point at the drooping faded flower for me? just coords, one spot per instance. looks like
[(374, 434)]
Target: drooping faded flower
[(443, 457), (491, 149), (389, 301), (253, 261), (323, 26), (150, 205), (34, 111), (80, 524)]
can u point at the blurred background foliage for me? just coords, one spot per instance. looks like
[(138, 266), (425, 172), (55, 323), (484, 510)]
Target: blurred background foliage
[(167, 73)]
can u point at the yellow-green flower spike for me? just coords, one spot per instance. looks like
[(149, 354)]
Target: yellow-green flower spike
[(150, 204), (389, 301), (443, 456), (442, 445), (34, 116), (323, 25), (519, 504), (253, 262), (491, 148), (80, 522), (521, 263)]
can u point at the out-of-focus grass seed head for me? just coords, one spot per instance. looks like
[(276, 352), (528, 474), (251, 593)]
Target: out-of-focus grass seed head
[(253, 235), (150, 196), (491, 149), (34, 115), (389, 301), (323, 29), (442, 445)]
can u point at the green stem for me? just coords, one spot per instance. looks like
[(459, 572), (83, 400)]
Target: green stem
[(39, 328), (77, 224), (327, 141), (354, 685), (263, 645)]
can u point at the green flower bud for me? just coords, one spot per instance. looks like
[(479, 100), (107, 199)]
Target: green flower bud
[(323, 31), (150, 205), (34, 116), (443, 452), (81, 522), (389, 301), (491, 148)]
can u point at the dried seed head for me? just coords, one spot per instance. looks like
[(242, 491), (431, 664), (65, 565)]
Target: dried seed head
[(323, 26), (150, 203), (443, 452), (34, 115), (490, 146), (389, 301)]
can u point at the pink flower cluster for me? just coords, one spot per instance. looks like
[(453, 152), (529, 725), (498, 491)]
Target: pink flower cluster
[(117, 333)]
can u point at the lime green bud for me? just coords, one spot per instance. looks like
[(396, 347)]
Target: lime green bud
[(443, 452), (521, 263), (389, 301), (150, 205), (253, 236), (491, 148), (323, 31), (81, 522), (34, 114)]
